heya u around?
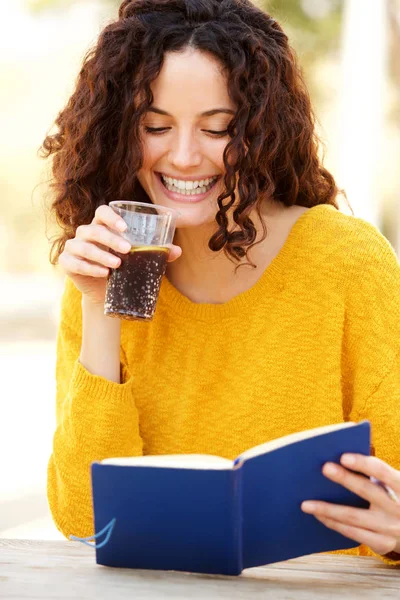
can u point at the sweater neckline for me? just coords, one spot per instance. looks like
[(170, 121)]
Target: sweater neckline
[(269, 284)]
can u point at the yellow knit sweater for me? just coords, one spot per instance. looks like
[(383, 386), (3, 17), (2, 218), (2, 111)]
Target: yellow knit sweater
[(314, 342)]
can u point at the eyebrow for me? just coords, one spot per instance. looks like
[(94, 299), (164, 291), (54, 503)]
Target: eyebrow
[(208, 113)]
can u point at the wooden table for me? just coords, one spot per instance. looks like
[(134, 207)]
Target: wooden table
[(40, 570)]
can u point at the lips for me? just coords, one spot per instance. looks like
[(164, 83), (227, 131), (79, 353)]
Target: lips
[(185, 196)]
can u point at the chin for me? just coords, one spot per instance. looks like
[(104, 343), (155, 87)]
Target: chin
[(192, 216)]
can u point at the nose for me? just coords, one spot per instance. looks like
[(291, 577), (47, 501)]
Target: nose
[(184, 153)]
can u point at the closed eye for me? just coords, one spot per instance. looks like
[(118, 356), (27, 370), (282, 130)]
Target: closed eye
[(161, 130), (218, 133), (156, 130)]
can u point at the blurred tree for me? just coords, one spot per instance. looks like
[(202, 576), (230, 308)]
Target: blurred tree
[(37, 6), (313, 26)]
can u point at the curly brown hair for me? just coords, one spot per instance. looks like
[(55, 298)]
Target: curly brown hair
[(273, 146)]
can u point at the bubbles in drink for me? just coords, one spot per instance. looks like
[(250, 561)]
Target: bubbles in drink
[(133, 288)]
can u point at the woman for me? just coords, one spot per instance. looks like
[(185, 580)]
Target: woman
[(278, 313)]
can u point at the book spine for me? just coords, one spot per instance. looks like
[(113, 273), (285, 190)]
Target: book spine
[(237, 489)]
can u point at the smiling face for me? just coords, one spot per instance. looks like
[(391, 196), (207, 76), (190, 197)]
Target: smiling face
[(184, 136)]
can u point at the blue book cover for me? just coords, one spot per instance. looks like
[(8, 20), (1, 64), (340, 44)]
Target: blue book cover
[(208, 514)]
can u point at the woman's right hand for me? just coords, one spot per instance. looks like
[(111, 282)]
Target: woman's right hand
[(86, 258)]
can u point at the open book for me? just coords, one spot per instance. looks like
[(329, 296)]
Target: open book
[(207, 514)]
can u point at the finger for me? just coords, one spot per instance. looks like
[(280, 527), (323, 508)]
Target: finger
[(75, 266), (92, 253), (360, 485), (99, 234), (105, 215), (373, 467), (174, 253), (373, 519), (381, 544)]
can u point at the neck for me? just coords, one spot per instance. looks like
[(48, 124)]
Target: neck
[(206, 276)]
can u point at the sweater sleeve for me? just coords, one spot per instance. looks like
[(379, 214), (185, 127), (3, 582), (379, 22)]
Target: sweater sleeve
[(95, 419), (371, 358)]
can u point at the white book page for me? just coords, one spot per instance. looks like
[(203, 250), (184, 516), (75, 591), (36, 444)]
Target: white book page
[(209, 461), (291, 439), (179, 461)]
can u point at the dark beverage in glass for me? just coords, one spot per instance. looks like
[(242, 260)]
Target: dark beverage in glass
[(133, 288)]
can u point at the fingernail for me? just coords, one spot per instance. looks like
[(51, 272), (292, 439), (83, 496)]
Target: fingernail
[(121, 225), (307, 506), (348, 460), (125, 246), (330, 469)]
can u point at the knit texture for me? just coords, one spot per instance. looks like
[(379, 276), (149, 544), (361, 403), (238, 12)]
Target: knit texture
[(315, 341)]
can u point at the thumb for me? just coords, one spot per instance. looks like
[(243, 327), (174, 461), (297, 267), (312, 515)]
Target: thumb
[(174, 253)]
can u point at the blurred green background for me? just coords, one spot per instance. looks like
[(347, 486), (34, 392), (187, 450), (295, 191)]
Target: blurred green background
[(350, 53)]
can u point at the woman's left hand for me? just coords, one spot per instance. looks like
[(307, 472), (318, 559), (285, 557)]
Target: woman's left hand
[(378, 526)]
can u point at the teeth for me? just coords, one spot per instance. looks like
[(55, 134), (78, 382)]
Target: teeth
[(188, 188), (196, 192)]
